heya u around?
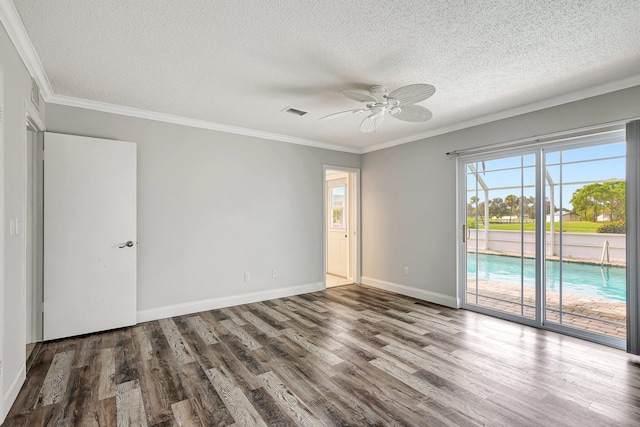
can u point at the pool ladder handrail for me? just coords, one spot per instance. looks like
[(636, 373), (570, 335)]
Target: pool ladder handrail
[(605, 251)]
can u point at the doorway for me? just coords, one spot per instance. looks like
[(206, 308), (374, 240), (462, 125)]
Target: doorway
[(544, 239), (341, 226)]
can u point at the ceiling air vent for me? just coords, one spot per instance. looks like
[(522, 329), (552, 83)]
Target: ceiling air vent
[(294, 111)]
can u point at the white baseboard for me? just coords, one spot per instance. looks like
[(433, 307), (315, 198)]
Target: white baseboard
[(12, 391), (215, 303), (429, 296)]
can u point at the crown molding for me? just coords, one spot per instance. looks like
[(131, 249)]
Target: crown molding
[(516, 111), (18, 35), (185, 121)]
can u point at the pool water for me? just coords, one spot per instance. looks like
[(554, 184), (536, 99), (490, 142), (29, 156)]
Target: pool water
[(608, 283)]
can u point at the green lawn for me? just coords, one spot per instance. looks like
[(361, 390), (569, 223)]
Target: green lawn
[(575, 227)]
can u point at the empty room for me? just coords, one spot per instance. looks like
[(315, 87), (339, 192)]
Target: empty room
[(327, 213)]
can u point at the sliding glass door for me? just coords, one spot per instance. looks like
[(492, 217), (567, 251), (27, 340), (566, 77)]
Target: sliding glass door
[(500, 221), (543, 236), (585, 284)]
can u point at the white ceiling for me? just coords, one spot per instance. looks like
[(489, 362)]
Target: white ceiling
[(234, 65)]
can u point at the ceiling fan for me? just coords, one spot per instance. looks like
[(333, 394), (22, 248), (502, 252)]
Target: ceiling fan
[(400, 104)]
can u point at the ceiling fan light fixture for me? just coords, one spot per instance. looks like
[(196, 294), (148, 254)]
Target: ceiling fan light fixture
[(394, 110)]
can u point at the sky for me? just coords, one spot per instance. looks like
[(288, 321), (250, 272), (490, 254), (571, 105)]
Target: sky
[(579, 167)]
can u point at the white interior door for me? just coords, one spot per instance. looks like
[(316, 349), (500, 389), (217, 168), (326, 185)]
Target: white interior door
[(338, 227), (89, 235)]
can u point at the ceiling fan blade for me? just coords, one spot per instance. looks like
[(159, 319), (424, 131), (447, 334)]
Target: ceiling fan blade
[(358, 96), (371, 123), (413, 113), (342, 113), (411, 94)]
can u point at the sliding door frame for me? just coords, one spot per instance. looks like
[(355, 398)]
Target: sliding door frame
[(539, 150), (462, 246)]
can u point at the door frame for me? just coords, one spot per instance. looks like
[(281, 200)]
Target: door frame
[(355, 240), (32, 119)]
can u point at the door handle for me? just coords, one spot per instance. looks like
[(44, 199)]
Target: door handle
[(129, 244), (464, 233)]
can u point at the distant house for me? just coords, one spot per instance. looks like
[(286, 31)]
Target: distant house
[(604, 217), (566, 217)]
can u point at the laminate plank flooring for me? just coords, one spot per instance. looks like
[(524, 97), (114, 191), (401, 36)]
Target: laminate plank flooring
[(350, 355)]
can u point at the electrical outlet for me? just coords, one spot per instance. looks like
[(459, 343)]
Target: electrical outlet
[(406, 271), (247, 277), (274, 273)]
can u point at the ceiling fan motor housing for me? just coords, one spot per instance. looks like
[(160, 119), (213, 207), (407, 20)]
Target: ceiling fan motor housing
[(378, 91)]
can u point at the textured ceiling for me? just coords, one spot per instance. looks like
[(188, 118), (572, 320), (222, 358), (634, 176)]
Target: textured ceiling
[(241, 62)]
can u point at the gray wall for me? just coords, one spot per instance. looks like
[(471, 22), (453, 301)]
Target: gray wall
[(14, 96), (409, 194), (214, 205)]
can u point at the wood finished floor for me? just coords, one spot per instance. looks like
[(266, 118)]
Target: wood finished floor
[(350, 355)]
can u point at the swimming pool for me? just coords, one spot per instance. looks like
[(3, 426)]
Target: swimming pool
[(608, 283)]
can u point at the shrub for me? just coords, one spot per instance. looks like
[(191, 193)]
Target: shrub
[(471, 223), (619, 227)]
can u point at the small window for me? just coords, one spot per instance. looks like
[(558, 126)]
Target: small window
[(337, 207)]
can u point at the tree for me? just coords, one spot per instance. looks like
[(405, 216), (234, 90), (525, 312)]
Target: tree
[(471, 206), (528, 204), (614, 195), (497, 208), (581, 203), (592, 199), (512, 202)]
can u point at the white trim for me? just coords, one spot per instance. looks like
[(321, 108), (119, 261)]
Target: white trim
[(434, 297), (12, 391), (3, 413), (195, 123), (20, 39), (516, 111), (34, 115), (31, 115), (215, 303)]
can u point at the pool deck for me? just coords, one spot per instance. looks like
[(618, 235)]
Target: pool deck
[(600, 316), (599, 312)]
